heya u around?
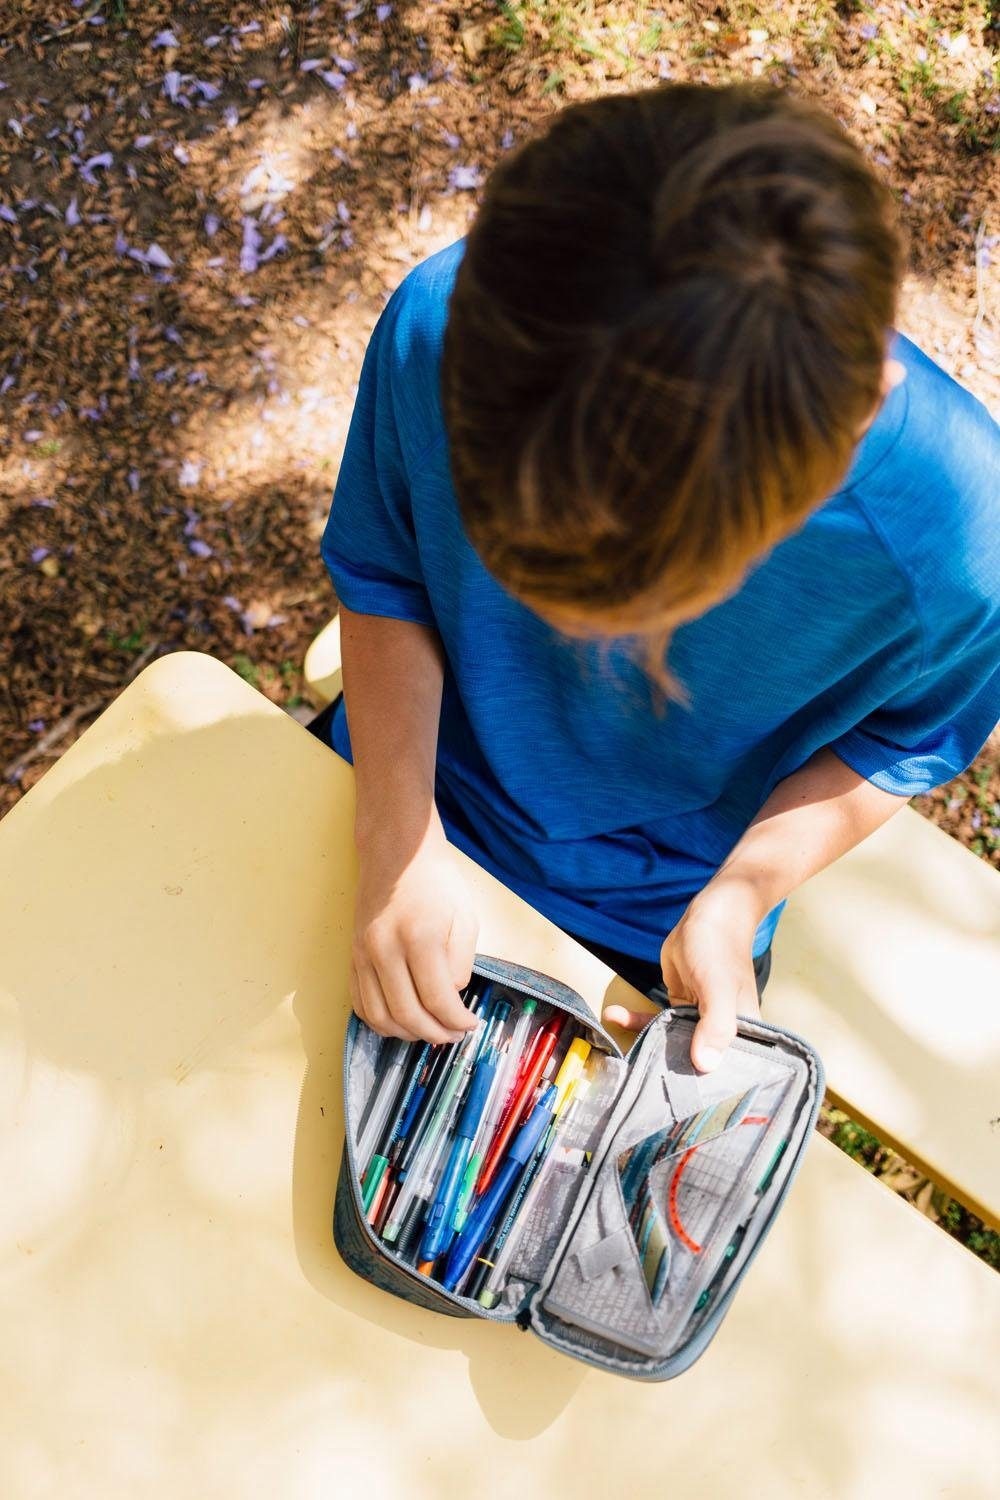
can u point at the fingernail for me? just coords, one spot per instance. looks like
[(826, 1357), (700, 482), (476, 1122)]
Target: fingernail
[(708, 1058)]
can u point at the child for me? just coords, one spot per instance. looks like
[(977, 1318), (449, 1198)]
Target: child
[(654, 404)]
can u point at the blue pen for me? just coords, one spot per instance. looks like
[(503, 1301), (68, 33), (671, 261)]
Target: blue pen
[(486, 1212), (439, 1228)]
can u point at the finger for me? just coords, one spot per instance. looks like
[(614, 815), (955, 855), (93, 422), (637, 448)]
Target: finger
[(436, 990), (672, 981), (377, 1013), (354, 989), (460, 950), (628, 1020), (406, 1004)]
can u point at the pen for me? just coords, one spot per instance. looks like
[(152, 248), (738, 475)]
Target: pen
[(432, 1096), (548, 1037), (494, 1259), (376, 1169), (494, 1104), (380, 1103), (439, 1228), (487, 1210), (455, 1078)]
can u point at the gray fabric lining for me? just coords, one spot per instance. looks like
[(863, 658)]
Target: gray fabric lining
[(683, 1090), (605, 1255)]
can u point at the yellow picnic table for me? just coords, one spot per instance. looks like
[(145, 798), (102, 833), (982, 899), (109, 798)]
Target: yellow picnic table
[(175, 915)]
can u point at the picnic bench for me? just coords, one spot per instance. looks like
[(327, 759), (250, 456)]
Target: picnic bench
[(176, 899)]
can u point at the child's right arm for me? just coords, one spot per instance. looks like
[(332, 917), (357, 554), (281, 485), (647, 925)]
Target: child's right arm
[(415, 927)]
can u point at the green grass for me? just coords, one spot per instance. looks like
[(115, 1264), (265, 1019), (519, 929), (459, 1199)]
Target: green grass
[(865, 1148), (134, 641), (245, 668)]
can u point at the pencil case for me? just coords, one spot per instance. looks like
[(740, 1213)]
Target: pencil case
[(633, 1210)]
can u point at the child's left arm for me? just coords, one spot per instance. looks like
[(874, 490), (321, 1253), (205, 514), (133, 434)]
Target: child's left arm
[(809, 820)]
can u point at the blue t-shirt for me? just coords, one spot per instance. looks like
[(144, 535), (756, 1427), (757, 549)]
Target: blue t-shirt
[(875, 629)]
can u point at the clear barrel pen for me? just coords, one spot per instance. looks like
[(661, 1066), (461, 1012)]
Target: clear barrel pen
[(386, 1091), (508, 1078), (451, 1091)]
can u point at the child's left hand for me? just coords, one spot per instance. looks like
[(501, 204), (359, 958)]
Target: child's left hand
[(707, 962)]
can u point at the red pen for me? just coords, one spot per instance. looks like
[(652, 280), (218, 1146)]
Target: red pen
[(545, 1045)]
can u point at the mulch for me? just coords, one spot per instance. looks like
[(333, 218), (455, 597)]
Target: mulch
[(202, 210)]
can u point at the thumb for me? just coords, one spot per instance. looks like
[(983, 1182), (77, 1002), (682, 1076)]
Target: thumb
[(718, 1007)]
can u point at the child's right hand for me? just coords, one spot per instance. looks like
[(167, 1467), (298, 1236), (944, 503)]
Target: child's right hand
[(415, 931)]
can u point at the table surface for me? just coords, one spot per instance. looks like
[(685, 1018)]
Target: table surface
[(176, 898), (889, 961)]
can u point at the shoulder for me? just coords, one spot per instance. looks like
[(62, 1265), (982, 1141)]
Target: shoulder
[(411, 332), (932, 494), (417, 311)]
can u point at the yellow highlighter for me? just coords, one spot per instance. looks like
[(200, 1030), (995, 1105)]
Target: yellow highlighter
[(572, 1068)]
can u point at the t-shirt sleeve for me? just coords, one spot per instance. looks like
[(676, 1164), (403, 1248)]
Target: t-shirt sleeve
[(369, 545), (935, 726)]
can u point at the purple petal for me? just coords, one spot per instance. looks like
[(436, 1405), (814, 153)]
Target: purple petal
[(249, 259), (157, 257), (276, 246), (39, 554), (382, 13), (6, 383), (164, 39), (345, 64), (343, 212), (187, 477), (172, 85), (333, 80), (310, 64), (33, 435), (464, 179), (36, 725), (72, 212), (231, 603), (231, 116), (133, 481), (208, 91), (198, 548), (212, 222), (451, 140), (257, 83), (250, 26), (142, 141)]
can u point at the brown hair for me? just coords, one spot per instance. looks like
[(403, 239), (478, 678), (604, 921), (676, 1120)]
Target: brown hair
[(667, 330)]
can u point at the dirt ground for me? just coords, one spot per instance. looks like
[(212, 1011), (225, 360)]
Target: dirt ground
[(202, 209)]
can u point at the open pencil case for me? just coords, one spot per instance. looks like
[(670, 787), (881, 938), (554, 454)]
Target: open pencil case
[(639, 1219)]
